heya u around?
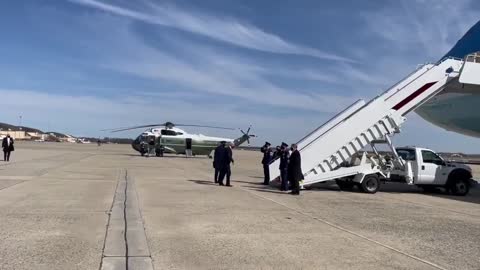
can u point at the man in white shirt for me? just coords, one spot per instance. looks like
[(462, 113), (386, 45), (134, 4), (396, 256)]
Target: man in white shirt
[(7, 145)]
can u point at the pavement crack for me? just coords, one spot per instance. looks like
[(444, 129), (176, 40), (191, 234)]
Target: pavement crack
[(126, 244), (109, 213), (125, 231)]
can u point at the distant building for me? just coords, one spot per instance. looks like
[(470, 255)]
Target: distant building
[(37, 136), (63, 137), (15, 134)]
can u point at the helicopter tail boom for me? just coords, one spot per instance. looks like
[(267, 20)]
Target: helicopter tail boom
[(244, 138)]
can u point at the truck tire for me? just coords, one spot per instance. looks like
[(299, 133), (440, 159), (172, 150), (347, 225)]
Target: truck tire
[(460, 187), (370, 184), (344, 185), (458, 183)]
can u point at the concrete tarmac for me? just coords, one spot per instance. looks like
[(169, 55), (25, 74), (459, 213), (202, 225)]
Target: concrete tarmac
[(74, 206)]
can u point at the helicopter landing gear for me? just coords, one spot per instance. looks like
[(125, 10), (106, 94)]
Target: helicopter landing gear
[(159, 152)]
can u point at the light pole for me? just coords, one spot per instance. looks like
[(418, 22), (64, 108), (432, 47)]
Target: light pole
[(20, 122)]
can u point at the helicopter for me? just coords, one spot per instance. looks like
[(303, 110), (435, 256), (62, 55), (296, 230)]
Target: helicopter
[(167, 138)]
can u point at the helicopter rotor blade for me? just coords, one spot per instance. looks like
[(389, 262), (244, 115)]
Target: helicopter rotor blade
[(167, 124), (134, 127), (204, 126)]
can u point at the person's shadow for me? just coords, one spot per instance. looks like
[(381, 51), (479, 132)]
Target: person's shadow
[(203, 182)]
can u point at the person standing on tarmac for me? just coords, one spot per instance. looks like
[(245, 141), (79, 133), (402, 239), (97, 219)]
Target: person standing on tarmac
[(284, 156), (7, 145), (217, 156), (227, 158), (295, 174), (151, 145), (267, 158)]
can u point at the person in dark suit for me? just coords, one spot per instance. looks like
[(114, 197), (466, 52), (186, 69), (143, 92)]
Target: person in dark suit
[(227, 158), (216, 159), (284, 156), (151, 145), (277, 153), (295, 174), (267, 158), (7, 145)]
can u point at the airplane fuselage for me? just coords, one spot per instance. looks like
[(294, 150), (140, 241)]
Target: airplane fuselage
[(455, 109)]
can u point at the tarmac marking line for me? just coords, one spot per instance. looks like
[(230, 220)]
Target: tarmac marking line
[(12, 185), (433, 207), (347, 230), (46, 171)]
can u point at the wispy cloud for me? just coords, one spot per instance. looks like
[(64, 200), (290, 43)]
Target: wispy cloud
[(218, 28), (429, 26), (216, 73)]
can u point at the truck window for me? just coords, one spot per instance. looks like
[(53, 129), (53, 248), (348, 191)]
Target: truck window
[(431, 157), (407, 154)]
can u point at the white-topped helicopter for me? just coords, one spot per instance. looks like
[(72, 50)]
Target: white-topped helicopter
[(167, 138)]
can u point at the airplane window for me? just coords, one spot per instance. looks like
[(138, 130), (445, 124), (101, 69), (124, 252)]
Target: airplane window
[(431, 157), (407, 154)]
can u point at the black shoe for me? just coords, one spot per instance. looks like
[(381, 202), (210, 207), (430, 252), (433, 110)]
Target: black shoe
[(221, 184), (229, 186)]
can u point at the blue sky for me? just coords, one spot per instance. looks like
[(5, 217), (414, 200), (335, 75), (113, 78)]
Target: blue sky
[(282, 66)]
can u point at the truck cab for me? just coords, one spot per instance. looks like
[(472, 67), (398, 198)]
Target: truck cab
[(426, 169)]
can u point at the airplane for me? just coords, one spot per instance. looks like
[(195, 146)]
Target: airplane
[(167, 138), (83, 141), (455, 108)]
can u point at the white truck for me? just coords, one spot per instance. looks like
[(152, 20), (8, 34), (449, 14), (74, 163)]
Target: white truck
[(411, 165)]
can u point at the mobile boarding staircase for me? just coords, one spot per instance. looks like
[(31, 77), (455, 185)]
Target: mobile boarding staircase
[(326, 149)]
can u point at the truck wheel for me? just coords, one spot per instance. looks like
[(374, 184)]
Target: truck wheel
[(371, 184), (344, 185), (460, 187)]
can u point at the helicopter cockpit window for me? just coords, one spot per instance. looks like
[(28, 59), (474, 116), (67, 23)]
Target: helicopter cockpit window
[(169, 132), (138, 140)]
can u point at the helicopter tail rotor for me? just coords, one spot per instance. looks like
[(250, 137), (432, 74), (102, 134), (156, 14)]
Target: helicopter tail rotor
[(246, 135)]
